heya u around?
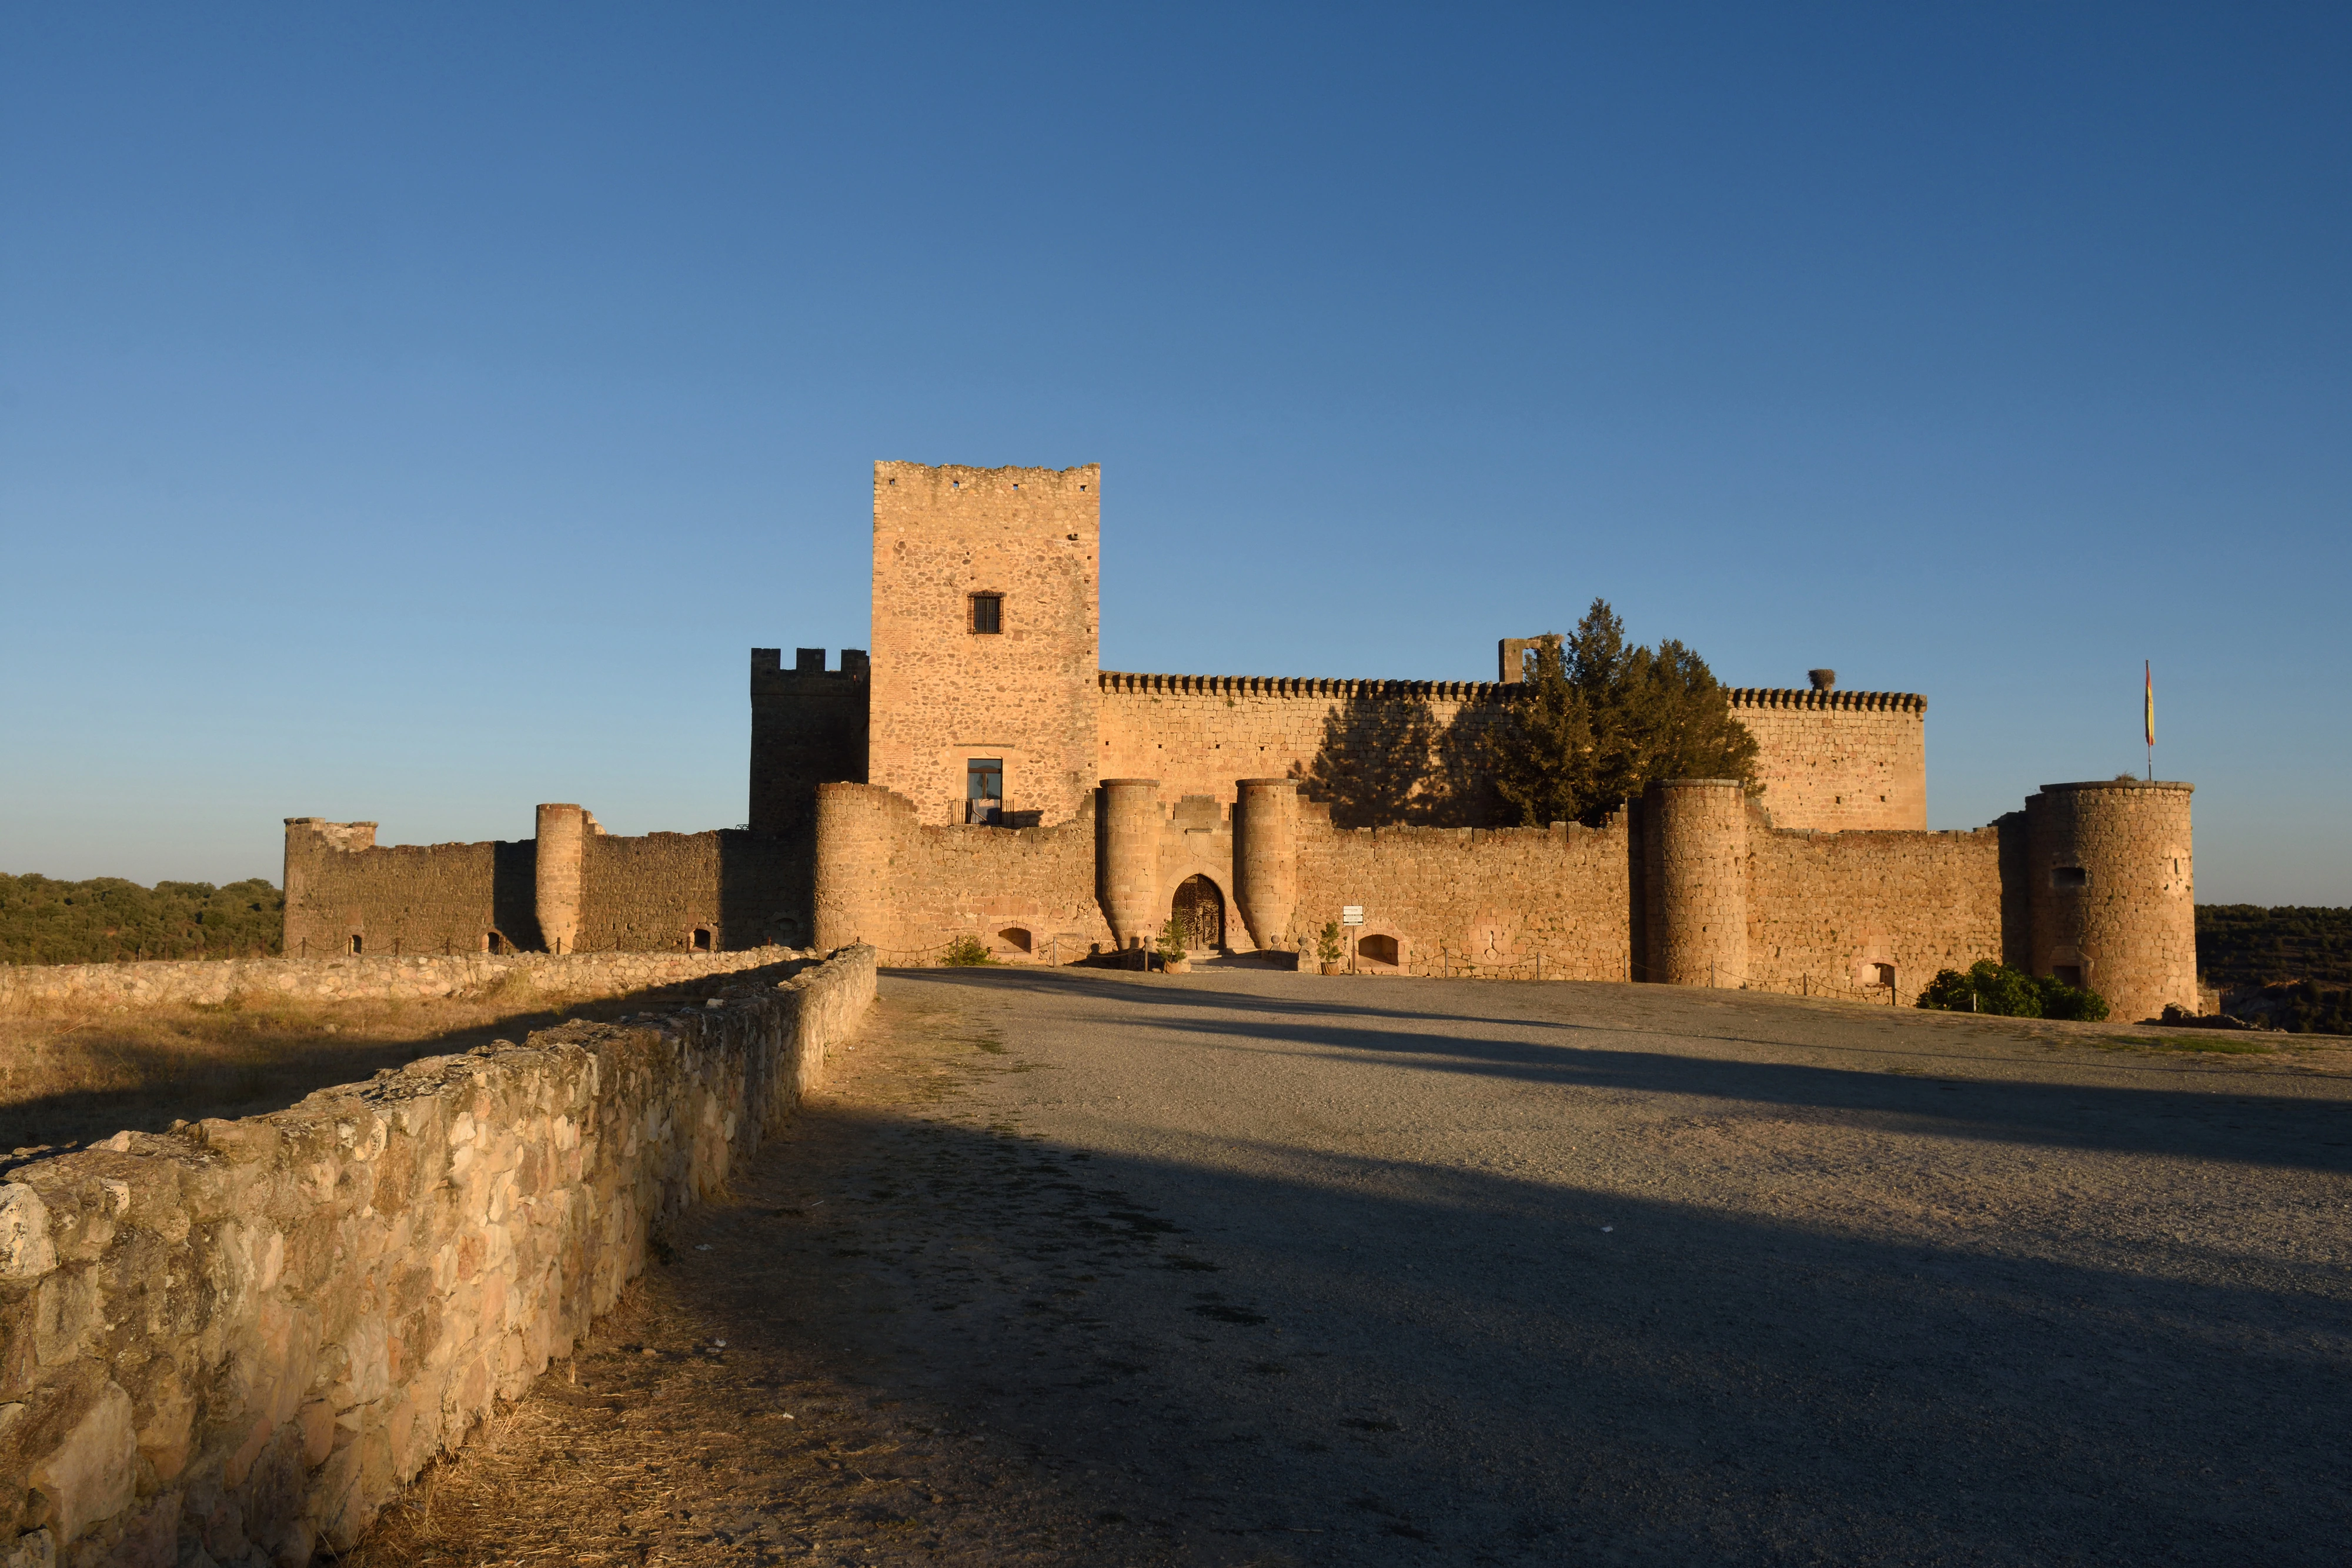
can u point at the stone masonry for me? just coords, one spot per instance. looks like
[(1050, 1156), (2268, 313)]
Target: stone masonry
[(234, 1343)]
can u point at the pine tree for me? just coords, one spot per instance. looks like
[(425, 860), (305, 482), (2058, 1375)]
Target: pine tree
[(1598, 720), (1540, 751)]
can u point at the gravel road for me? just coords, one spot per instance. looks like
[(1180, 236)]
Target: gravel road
[(1256, 1268)]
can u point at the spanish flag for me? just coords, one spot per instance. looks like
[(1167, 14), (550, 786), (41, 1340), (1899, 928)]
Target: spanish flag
[(2148, 669)]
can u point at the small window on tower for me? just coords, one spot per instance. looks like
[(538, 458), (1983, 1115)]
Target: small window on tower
[(988, 613)]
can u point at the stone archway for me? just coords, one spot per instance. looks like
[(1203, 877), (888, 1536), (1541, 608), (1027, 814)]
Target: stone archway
[(1201, 904)]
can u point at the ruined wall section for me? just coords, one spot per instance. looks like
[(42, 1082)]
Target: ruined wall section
[(1826, 910), (887, 877), (1471, 901), (657, 893), (944, 693), (251, 1334), (1838, 761), (404, 899)]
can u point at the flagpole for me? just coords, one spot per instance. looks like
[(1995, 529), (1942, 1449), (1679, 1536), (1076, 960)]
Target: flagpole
[(2147, 671)]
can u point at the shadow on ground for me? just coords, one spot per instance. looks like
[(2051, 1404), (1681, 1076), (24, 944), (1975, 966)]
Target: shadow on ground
[(993, 1348)]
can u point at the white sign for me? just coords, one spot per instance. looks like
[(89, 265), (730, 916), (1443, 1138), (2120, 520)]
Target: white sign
[(1351, 915)]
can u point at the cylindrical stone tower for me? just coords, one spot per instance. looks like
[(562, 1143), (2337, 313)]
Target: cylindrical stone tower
[(1127, 858), (1695, 873), (854, 833), (1265, 858), (562, 839), (2112, 891)]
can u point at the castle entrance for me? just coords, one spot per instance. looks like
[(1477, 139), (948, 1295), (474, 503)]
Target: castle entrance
[(1201, 906)]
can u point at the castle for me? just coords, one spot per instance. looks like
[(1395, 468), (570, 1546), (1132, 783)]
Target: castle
[(980, 776)]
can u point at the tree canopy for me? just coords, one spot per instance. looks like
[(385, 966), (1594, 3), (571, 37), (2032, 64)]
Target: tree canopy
[(45, 921), (1596, 721)]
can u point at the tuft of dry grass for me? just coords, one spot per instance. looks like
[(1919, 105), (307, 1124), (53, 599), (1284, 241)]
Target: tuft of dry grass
[(70, 1077)]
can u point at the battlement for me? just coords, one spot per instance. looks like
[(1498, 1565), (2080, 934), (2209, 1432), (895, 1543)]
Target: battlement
[(769, 675), (1832, 700), (1123, 682)]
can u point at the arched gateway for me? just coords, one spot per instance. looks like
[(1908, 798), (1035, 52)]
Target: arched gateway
[(1202, 906)]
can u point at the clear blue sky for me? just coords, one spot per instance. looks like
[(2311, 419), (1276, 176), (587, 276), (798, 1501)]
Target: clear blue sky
[(415, 412)]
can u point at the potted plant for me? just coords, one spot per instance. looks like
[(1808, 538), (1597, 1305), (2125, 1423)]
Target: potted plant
[(1175, 942), (1327, 948)]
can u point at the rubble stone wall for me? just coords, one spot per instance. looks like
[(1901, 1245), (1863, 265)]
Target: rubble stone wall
[(243, 1338), (1471, 900), (210, 982), (1826, 910), (887, 878)]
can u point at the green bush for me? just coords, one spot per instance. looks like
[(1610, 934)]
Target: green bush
[(967, 952), (2061, 1001), (1175, 938), (45, 921), (2004, 992), (1327, 946)]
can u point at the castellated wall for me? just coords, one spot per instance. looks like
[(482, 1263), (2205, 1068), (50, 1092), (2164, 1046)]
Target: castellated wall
[(245, 1337), (1199, 735), (1838, 760), (1827, 760), (889, 878), (944, 692), (1470, 900)]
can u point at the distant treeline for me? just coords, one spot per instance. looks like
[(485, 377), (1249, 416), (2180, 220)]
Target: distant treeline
[(2242, 944), (45, 921)]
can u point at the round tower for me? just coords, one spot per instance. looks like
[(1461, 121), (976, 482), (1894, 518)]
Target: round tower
[(857, 826), (1127, 859), (2111, 887), (1265, 857), (1695, 859), (562, 839)]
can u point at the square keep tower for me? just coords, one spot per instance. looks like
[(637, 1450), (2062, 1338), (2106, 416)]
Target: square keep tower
[(986, 640)]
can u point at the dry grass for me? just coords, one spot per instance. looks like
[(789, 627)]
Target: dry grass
[(69, 1077)]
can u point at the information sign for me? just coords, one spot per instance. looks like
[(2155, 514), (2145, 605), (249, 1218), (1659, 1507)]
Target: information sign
[(1351, 915)]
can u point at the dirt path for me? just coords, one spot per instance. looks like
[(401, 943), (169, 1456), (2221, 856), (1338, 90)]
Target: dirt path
[(1255, 1268)]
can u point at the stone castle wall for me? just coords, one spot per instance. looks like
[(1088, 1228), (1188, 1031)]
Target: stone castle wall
[(1838, 760), (1199, 735), (1827, 760), (250, 1335), (409, 898), (575, 976), (888, 878), (1471, 901), (1826, 910), (944, 693), (657, 893)]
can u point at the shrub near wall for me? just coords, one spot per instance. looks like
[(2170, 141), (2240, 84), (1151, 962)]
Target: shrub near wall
[(243, 1337)]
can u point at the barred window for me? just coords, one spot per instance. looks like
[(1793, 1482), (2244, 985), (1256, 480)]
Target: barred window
[(988, 613)]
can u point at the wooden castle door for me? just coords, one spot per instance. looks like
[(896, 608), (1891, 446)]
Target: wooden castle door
[(1203, 907)]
